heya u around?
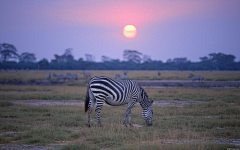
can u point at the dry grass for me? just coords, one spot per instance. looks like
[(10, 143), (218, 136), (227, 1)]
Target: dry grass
[(218, 118), (135, 75), (77, 91), (206, 95), (52, 124), (63, 92)]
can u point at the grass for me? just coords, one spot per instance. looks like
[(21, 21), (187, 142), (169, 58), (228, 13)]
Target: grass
[(51, 124), (205, 95), (63, 92), (76, 91), (218, 117), (27, 75)]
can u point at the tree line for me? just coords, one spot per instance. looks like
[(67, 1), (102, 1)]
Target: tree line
[(133, 60)]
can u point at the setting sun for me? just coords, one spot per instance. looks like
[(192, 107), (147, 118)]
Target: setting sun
[(129, 31)]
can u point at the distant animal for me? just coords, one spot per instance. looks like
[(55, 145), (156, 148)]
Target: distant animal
[(159, 73), (68, 76), (49, 76), (198, 77), (102, 89), (125, 77), (86, 74), (59, 77), (75, 76), (125, 73)]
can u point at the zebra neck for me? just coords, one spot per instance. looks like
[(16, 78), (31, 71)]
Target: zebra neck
[(144, 104)]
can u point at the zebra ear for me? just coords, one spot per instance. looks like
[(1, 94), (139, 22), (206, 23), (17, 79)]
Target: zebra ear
[(151, 101)]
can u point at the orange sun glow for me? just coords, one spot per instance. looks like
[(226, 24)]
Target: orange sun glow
[(129, 31)]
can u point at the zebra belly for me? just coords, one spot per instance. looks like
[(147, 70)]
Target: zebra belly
[(109, 100)]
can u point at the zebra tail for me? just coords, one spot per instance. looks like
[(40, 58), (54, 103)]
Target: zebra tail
[(87, 99)]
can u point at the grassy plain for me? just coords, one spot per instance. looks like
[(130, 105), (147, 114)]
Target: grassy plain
[(188, 127), (185, 127), (26, 75), (77, 91)]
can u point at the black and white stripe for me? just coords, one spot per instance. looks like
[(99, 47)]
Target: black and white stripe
[(199, 77), (115, 93)]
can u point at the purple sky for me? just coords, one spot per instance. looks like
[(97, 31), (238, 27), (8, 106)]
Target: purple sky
[(165, 28)]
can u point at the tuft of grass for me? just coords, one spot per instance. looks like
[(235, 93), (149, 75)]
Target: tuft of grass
[(6, 104), (3, 140), (10, 127), (42, 136), (79, 146)]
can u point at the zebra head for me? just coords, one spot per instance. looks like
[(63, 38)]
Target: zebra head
[(147, 108), (190, 75)]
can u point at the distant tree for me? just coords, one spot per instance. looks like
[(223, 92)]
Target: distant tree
[(8, 51), (56, 59), (220, 57), (90, 57), (43, 64), (66, 57), (80, 59), (132, 56), (146, 58), (180, 60), (27, 57), (222, 61), (204, 59), (218, 61), (106, 59), (169, 61)]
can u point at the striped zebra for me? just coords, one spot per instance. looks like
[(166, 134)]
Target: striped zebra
[(102, 89), (199, 77), (49, 76), (86, 74), (59, 77)]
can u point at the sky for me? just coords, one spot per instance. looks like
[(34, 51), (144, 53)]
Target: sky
[(166, 29)]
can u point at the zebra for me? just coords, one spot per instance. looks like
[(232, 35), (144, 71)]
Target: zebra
[(68, 76), (159, 73), (75, 76), (199, 77), (125, 77), (71, 77), (114, 92), (58, 77), (86, 74), (49, 76)]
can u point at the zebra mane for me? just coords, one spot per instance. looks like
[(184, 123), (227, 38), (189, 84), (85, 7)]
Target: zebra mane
[(147, 102)]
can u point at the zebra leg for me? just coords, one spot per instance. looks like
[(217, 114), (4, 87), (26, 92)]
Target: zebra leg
[(98, 111), (129, 118), (89, 112), (128, 112)]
